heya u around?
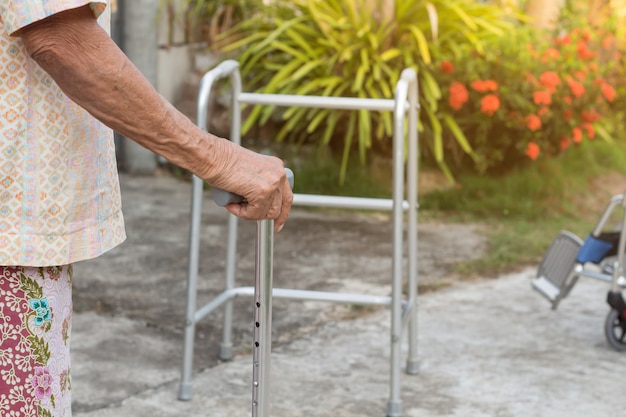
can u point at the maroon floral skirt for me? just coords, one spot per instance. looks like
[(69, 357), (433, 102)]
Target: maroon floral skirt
[(35, 326)]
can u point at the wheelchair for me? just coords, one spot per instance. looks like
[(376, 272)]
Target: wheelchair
[(600, 256)]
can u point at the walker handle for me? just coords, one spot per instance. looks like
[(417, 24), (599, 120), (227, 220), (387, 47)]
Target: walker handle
[(223, 198)]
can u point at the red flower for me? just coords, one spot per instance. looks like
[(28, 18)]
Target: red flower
[(483, 86), (542, 97), (532, 150), (577, 135), (489, 104), (458, 95), (446, 67), (575, 87), (533, 122), (608, 92), (565, 143)]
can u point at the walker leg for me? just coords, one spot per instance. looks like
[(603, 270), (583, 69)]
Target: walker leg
[(226, 346), (185, 391)]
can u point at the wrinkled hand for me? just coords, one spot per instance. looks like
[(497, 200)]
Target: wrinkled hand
[(259, 179)]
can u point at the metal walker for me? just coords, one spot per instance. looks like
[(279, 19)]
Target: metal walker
[(403, 309), (599, 256)]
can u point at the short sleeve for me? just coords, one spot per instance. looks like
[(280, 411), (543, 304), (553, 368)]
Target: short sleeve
[(17, 14)]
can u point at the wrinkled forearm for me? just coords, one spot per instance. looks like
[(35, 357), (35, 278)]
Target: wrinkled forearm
[(90, 68), (87, 65)]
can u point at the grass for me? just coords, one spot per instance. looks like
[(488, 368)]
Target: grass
[(525, 210), (522, 211)]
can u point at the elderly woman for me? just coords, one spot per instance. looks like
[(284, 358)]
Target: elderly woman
[(64, 85)]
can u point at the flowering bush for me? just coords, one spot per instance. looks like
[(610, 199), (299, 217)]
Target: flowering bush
[(529, 96)]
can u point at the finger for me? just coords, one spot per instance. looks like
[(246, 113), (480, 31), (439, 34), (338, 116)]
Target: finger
[(273, 211), (287, 200), (251, 210)]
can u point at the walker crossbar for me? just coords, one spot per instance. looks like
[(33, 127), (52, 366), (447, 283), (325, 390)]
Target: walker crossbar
[(359, 203), (291, 294), (334, 103), (403, 309)]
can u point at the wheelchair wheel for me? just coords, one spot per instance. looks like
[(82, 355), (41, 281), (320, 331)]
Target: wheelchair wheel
[(615, 330)]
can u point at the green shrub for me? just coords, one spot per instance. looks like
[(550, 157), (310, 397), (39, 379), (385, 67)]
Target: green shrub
[(350, 48)]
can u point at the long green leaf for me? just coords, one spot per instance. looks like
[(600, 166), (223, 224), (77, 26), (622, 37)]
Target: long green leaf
[(291, 50), (365, 132), (251, 120), (603, 134), (319, 118), (457, 132), (302, 71), (358, 79), (331, 124), (347, 144), (422, 43), (390, 54), (437, 135), (461, 14)]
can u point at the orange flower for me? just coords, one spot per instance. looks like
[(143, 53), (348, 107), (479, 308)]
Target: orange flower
[(589, 116), (575, 87), (577, 135), (550, 80), (583, 52), (608, 92), (491, 85), (542, 97), (489, 104), (591, 132), (549, 54), (563, 40), (532, 150), (484, 86), (543, 111), (533, 122), (458, 95), (565, 143), (446, 67)]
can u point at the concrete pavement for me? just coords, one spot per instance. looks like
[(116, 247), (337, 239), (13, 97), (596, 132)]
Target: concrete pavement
[(489, 347)]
